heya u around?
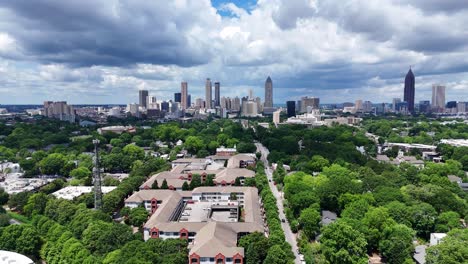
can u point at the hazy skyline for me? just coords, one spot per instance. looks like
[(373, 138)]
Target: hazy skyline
[(104, 51)]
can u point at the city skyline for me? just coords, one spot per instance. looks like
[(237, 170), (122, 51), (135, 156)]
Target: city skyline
[(340, 60)]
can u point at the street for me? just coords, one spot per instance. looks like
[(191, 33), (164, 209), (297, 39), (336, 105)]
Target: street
[(290, 237)]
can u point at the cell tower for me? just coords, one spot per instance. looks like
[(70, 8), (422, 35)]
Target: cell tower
[(97, 177)]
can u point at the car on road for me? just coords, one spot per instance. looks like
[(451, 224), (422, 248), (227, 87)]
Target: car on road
[(269, 180), (282, 220)]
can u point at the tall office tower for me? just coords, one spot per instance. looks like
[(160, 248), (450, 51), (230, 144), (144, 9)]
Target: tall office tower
[(208, 93), (184, 95), (236, 104), (249, 108), (461, 107), (313, 102), (165, 106), (259, 104), (142, 95), (438, 97), (133, 109), (358, 105), (299, 106), (217, 100), (199, 103), (268, 92), (177, 97), (409, 90), (189, 100), (276, 116), (151, 103), (223, 102), (291, 105), (395, 102), (367, 106), (424, 106)]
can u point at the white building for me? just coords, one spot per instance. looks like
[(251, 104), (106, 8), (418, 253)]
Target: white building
[(438, 98)]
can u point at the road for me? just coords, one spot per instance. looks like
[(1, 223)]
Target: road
[(290, 237)]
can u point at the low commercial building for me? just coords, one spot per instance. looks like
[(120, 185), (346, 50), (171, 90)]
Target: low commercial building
[(116, 129), (9, 257), (71, 192)]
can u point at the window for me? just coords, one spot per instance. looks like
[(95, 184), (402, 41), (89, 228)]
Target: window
[(194, 260)]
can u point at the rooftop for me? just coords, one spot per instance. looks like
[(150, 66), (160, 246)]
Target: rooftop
[(71, 192)]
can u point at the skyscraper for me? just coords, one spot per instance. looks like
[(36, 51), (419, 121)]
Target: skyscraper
[(291, 105), (177, 97), (208, 93), (409, 90), (395, 102), (184, 95), (438, 98), (143, 95), (268, 92), (217, 100), (313, 102)]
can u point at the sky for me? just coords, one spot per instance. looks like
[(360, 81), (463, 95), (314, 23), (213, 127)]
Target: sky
[(104, 51)]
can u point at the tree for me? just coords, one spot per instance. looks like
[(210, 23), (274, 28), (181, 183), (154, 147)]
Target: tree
[(209, 180), (52, 164), (276, 255), (80, 173), (138, 216), (164, 185), (195, 182), (342, 244), (101, 237), (309, 221), (193, 144), (36, 204), (423, 218), (185, 186), (397, 243), (256, 247), (18, 200), (23, 239), (3, 197), (155, 184), (134, 152), (447, 221), (375, 221), (4, 220), (452, 250)]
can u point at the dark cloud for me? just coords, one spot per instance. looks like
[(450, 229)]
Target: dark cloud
[(290, 11), (84, 33), (447, 6)]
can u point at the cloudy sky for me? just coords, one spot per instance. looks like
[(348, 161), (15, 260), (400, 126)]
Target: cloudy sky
[(104, 51)]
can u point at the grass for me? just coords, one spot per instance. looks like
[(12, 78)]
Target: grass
[(18, 217)]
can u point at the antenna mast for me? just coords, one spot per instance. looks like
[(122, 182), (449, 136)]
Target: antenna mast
[(97, 177)]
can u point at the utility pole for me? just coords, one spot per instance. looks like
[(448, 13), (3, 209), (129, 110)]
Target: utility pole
[(97, 177)]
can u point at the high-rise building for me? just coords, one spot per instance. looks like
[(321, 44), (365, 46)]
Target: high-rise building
[(395, 102), (133, 109), (165, 106), (438, 98), (184, 95), (409, 90), (249, 108), (268, 92), (189, 100), (424, 106), (461, 107), (177, 97), (142, 95), (199, 103), (367, 106), (208, 93), (217, 99), (276, 116), (312, 102), (59, 110), (358, 105), (151, 103), (236, 104), (291, 105)]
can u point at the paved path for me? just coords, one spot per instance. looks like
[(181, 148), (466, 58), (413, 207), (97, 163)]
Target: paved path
[(290, 237)]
